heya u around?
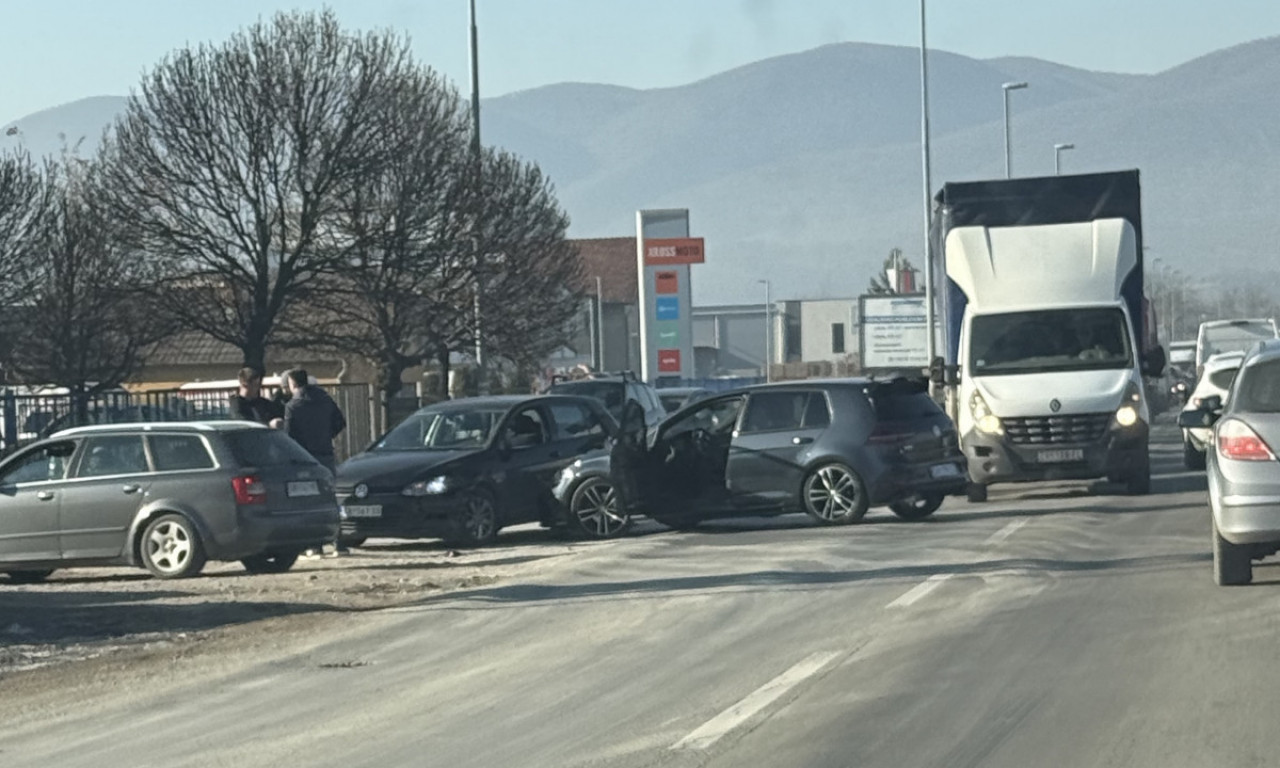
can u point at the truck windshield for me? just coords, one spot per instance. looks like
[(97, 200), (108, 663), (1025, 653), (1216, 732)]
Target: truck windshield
[(1049, 340)]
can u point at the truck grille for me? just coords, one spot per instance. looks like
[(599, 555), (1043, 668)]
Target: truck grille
[(1049, 430)]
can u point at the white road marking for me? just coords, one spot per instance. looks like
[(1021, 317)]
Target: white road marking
[(1007, 531), (920, 590), (715, 728)]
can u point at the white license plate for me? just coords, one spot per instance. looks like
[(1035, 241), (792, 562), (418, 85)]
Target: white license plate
[(362, 510), (1058, 457), (944, 470), (304, 488)]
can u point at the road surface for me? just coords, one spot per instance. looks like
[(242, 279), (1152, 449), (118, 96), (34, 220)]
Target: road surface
[(1054, 625)]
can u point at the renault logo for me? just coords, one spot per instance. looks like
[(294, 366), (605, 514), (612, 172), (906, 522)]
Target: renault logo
[(362, 491), (1054, 405)]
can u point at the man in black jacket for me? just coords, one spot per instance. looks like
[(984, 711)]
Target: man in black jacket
[(249, 404), (312, 419)]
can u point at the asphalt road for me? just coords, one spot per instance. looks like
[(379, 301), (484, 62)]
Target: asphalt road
[(1055, 625)]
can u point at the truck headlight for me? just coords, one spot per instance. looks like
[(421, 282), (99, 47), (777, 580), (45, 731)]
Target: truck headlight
[(1127, 413), (433, 487), (983, 418)]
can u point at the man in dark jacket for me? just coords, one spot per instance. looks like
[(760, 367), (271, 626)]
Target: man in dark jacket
[(249, 404), (312, 419)]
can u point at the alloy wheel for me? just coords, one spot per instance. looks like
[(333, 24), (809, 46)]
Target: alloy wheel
[(834, 495), (597, 510)]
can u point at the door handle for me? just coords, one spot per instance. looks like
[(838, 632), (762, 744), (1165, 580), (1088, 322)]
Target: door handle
[(801, 440), (45, 495), (130, 488)]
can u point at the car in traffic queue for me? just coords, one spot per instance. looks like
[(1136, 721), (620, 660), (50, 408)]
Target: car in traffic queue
[(1219, 371), (1242, 465), (828, 448), (167, 497), (462, 470), (615, 391), (675, 398)]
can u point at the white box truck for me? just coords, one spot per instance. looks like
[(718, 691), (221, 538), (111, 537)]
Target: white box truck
[(1045, 345)]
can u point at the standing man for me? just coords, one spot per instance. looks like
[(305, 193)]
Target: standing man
[(249, 404), (313, 420)]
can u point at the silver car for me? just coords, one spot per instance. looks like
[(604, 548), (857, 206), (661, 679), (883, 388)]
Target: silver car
[(1243, 472), (166, 497)]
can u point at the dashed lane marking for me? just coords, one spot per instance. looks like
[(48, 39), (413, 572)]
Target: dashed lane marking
[(919, 591), (1006, 531)]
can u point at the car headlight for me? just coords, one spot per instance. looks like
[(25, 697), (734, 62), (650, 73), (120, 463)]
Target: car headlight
[(983, 418), (433, 487), (1127, 413)]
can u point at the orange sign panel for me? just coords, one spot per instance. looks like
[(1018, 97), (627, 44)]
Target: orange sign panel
[(667, 282), (660, 252)]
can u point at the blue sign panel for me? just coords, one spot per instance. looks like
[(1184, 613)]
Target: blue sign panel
[(667, 307)]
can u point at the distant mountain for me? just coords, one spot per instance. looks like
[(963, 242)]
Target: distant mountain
[(805, 169)]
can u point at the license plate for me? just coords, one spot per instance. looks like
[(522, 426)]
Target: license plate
[(362, 510), (1058, 457), (304, 488), (944, 470)]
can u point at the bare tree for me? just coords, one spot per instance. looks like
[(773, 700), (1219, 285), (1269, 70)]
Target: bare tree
[(399, 235), (232, 159), (89, 295), (24, 202)]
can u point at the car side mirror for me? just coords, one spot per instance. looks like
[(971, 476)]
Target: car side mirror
[(1212, 403)]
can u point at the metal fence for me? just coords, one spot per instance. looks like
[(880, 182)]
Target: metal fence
[(28, 417)]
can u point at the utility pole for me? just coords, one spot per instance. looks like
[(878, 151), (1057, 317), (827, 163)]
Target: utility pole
[(477, 179), (930, 318), (1008, 140)]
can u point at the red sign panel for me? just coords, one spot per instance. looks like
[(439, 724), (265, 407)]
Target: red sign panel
[(661, 252), (667, 282), (668, 361)]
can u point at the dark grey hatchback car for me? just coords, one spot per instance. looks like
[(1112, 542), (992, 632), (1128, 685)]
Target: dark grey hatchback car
[(830, 448), (166, 497)]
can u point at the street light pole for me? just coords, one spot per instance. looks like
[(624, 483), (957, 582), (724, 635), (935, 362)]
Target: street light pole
[(600, 320), (930, 318), (1057, 157), (481, 374), (768, 332), (1008, 144)]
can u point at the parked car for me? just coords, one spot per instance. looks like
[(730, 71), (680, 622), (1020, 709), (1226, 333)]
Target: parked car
[(1242, 468), (675, 398), (464, 469), (615, 390), (166, 497), (1219, 371), (830, 448)]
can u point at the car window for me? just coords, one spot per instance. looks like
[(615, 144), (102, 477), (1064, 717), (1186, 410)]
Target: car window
[(770, 411), (575, 420), (172, 453), (716, 417), (902, 402), (265, 448), (817, 412), (1222, 379), (526, 428), (106, 455), (40, 465), (1258, 389)]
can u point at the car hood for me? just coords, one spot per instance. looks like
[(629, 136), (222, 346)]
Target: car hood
[(391, 468), (1075, 391)]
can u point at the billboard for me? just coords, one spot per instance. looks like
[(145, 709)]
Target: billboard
[(664, 252), (893, 332)]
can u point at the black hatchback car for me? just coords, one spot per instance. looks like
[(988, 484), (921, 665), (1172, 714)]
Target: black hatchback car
[(462, 470), (830, 448)]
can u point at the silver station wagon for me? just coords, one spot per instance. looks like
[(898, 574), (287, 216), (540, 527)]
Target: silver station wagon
[(165, 497)]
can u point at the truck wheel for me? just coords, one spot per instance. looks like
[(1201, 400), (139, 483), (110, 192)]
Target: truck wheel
[(1139, 483), (1192, 458), (976, 493), (1232, 563)]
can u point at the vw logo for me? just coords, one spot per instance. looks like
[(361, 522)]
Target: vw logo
[(362, 491), (1054, 406)]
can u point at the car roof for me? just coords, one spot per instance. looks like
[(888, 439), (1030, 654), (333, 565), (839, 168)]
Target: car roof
[(225, 425)]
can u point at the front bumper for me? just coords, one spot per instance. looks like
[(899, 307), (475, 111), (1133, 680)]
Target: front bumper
[(997, 459), (400, 517)]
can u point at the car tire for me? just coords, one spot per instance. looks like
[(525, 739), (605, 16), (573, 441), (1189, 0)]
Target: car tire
[(30, 576), (833, 494), (917, 507), (1192, 457), (171, 548), (478, 523), (1139, 483), (676, 523), (596, 511), (351, 541), (270, 562), (1232, 563), (976, 493)]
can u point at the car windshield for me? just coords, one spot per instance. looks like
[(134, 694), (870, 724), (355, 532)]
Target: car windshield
[(443, 430), (1048, 341), (1237, 337)]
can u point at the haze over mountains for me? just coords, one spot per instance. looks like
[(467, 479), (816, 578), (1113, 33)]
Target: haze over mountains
[(805, 169)]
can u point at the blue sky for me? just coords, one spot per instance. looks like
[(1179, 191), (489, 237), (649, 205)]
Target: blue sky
[(56, 51)]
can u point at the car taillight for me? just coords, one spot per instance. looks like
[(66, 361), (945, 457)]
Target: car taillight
[(1237, 441), (249, 489)]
